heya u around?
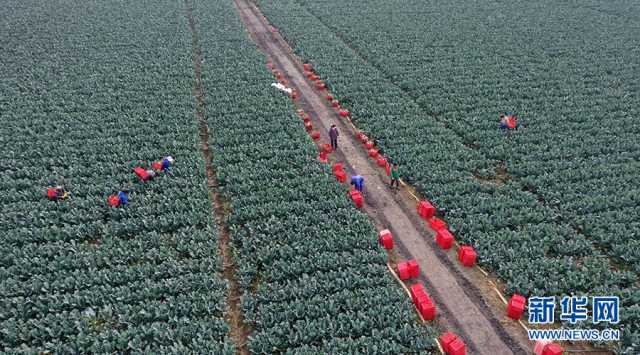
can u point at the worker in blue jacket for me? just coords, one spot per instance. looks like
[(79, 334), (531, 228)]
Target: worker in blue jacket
[(358, 182)]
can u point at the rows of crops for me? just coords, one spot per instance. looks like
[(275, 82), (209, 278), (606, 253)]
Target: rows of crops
[(314, 279), (88, 91), (546, 71), (428, 80), (93, 90)]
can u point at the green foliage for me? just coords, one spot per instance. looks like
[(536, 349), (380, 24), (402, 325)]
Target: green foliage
[(89, 90), (428, 80), (313, 277)]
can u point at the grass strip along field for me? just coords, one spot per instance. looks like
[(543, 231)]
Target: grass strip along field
[(428, 81), (314, 278), (88, 91)]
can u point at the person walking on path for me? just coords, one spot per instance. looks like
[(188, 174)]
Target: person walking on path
[(333, 135), (395, 176)]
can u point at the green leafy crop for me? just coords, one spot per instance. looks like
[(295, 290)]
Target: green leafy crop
[(428, 80)]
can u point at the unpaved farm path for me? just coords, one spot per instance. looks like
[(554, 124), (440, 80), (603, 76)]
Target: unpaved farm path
[(466, 304)]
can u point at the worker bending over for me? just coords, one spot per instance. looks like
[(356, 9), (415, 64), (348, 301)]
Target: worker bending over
[(57, 193), (509, 122)]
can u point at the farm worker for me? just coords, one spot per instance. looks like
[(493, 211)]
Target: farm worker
[(333, 135), (163, 165), (395, 176), (119, 199), (503, 122), (358, 182), (124, 199), (57, 193), (508, 122), (512, 122), (144, 175)]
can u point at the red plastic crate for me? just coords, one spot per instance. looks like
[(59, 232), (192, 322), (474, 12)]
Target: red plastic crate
[(427, 309), (416, 290), (322, 157), (369, 145), (552, 349), (421, 296), (539, 347), (315, 135), (341, 176), (467, 255), (516, 306), (426, 210), (364, 139), (414, 268), (335, 104), (373, 153), (436, 223), (461, 252), (329, 97), (381, 161), (308, 125), (446, 339), (386, 239), (403, 271), (444, 239), (457, 347), (344, 113), (356, 196)]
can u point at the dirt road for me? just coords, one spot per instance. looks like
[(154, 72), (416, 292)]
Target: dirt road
[(466, 304)]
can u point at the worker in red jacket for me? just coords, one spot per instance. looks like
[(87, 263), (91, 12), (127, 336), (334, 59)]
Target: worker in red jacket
[(144, 175), (57, 193), (508, 122), (512, 122)]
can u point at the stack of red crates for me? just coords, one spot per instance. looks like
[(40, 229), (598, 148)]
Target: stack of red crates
[(423, 302)]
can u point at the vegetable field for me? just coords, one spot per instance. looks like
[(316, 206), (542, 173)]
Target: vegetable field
[(314, 279), (551, 207), (89, 90)]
